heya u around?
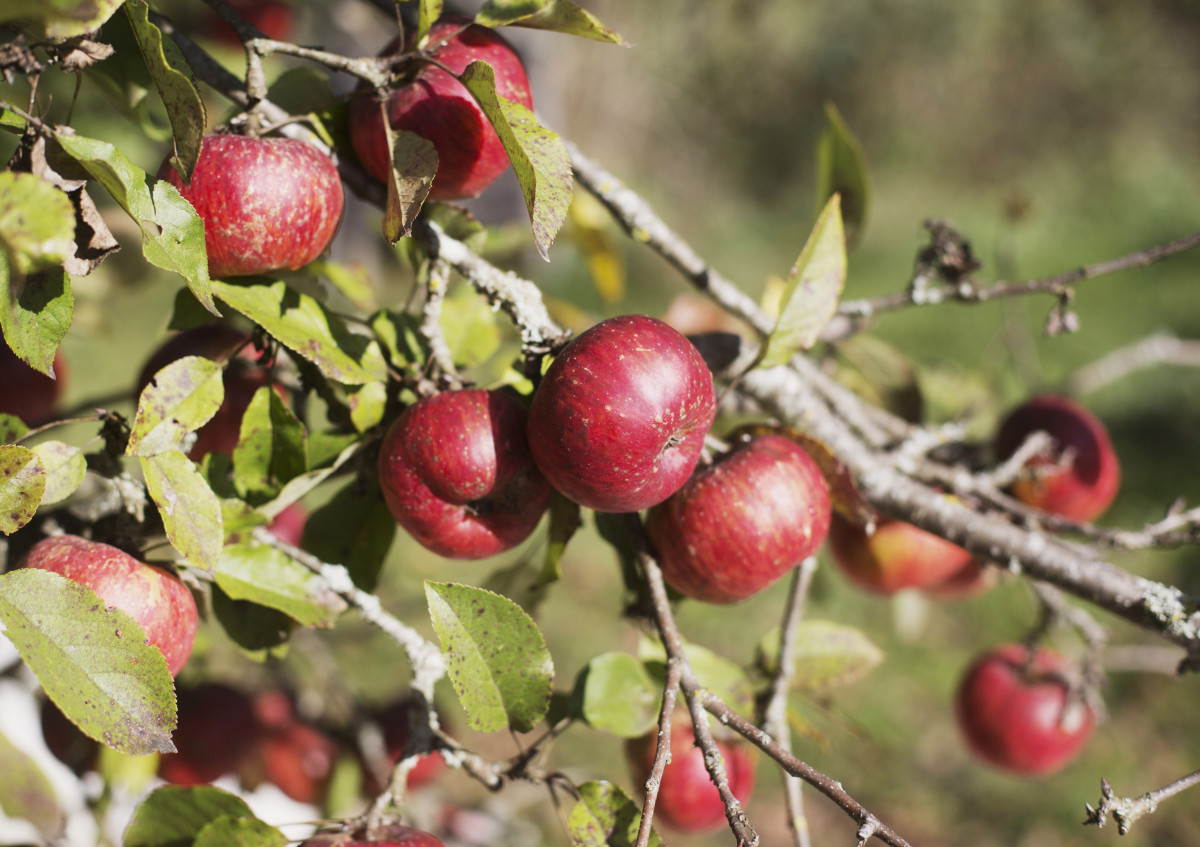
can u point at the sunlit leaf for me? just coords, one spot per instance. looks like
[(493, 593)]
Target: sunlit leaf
[(37, 222), (35, 313), (828, 655), (605, 816), (272, 446), (65, 468), (180, 398), (58, 20), (414, 165), (842, 170), (266, 576), (619, 696), (190, 511), (22, 485), (173, 816)]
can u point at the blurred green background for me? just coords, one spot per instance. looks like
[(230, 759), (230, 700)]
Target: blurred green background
[(1051, 135)]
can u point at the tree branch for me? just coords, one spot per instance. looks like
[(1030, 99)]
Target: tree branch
[(1126, 810)]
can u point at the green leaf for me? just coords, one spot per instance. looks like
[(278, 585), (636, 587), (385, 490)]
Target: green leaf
[(26, 792), (22, 485), (414, 165), (605, 816), (367, 405), (259, 632), (397, 331), (59, 20), (306, 482), (538, 155), (469, 326), (173, 816), (497, 657), (828, 655), (353, 529), (65, 468), (554, 15), (813, 287), (180, 398), (37, 223), (307, 328), (564, 521), (173, 78), (725, 678), (618, 695), (266, 576), (428, 12), (172, 232), (352, 280), (35, 313), (191, 512), (11, 428), (271, 449), (842, 170), (240, 832), (93, 662)]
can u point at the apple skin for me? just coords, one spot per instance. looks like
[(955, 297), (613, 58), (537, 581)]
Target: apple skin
[(267, 203), (456, 473), (1083, 490), (160, 603), (742, 522), (897, 556), (216, 733), (687, 799), (618, 421), (30, 395), (288, 525), (242, 377), (1014, 713), (436, 106)]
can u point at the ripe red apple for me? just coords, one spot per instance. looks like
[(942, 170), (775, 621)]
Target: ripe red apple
[(897, 555), (216, 733), (742, 522), (266, 203), (436, 106), (299, 759), (687, 799), (390, 836), (456, 473), (1014, 710), (288, 525), (1079, 480), (160, 603), (619, 419), (243, 376), (66, 741), (394, 722), (30, 395)]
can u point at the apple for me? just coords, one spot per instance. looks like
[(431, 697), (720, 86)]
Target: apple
[(160, 603), (243, 376), (216, 733), (393, 721), (66, 741), (1080, 478), (436, 106), (267, 203), (273, 18), (619, 419), (288, 525), (456, 473), (394, 835), (30, 395), (897, 555), (1015, 710), (742, 522), (687, 799), (299, 759)]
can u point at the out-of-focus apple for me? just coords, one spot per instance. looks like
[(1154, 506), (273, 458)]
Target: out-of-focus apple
[(273, 18), (215, 734), (298, 758), (288, 525), (742, 522), (393, 721), (30, 395), (897, 555), (1080, 478), (160, 603), (619, 419), (436, 106)]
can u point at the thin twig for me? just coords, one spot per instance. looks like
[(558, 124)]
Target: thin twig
[(1158, 349), (662, 752), (1127, 810)]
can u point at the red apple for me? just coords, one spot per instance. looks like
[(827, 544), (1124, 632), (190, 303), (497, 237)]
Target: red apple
[(299, 759), (266, 203), (742, 522), (1015, 712), (288, 525), (160, 603), (436, 106), (456, 473), (1080, 478), (243, 376), (394, 835), (897, 555), (687, 799), (30, 395), (216, 733), (273, 18), (619, 419), (394, 722), (66, 741)]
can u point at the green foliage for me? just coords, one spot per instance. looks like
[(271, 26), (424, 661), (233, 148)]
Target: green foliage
[(842, 170), (65, 469), (498, 661), (22, 486), (618, 695), (178, 400), (190, 511), (35, 313), (93, 662), (605, 816), (827, 655), (173, 816), (553, 15), (271, 449), (25, 792), (37, 223), (267, 577)]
